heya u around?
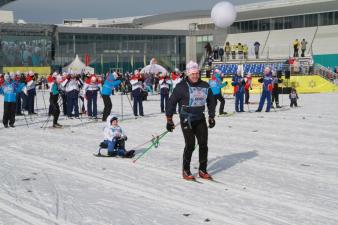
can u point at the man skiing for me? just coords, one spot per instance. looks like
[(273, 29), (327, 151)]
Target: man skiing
[(192, 94)]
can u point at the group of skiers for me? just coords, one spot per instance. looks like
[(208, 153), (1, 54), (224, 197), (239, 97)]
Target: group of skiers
[(189, 92), (16, 87)]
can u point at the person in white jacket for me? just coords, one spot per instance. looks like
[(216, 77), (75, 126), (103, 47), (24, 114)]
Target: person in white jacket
[(90, 90), (72, 87), (114, 138)]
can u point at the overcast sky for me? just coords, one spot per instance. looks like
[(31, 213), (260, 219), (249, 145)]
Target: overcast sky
[(54, 11)]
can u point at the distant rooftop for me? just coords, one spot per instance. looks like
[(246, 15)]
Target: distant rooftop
[(4, 2), (260, 10)]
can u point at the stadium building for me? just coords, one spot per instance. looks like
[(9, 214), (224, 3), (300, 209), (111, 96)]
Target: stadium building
[(174, 38)]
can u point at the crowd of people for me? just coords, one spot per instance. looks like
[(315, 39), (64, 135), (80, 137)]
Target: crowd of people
[(187, 92), (231, 51)]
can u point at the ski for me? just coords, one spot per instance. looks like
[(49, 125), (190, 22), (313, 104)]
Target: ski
[(193, 180), (102, 155), (129, 154), (227, 115)]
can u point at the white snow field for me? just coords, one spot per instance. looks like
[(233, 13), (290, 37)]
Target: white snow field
[(274, 168)]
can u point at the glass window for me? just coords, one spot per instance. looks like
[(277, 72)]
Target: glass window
[(298, 21), (264, 25), (326, 19), (253, 26), (235, 28), (336, 17), (245, 26), (311, 20), (278, 23)]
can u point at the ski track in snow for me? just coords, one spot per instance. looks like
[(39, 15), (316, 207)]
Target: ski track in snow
[(276, 168)]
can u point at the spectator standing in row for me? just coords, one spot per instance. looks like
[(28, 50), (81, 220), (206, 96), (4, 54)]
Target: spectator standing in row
[(295, 48), (221, 53), (257, 45), (245, 51), (240, 50), (233, 51), (303, 47), (227, 49)]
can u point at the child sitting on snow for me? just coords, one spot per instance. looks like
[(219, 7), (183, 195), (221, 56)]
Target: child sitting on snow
[(115, 138), (293, 97)]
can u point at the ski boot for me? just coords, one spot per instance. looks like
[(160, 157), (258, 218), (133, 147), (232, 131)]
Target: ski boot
[(204, 175), (187, 175)]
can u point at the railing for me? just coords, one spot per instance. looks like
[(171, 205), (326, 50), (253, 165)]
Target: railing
[(326, 73)]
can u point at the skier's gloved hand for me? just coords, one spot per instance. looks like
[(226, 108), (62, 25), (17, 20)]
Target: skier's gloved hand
[(212, 122), (170, 124)]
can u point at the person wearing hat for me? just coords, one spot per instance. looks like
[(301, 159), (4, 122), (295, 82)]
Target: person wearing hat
[(9, 89), (192, 94), (216, 86), (72, 87), (90, 89), (176, 77), (267, 89), (247, 87), (238, 83), (111, 82), (54, 98), (137, 88), (165, 83), (16, 78), (31, 90), (114, 138), (275, 90)]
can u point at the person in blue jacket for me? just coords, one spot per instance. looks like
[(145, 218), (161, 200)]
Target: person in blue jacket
[(267, 89), (216, 86), (238, 83), (111, 82), (9, 89)]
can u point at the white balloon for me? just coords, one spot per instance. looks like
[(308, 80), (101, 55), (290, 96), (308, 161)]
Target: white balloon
[(223, 14)]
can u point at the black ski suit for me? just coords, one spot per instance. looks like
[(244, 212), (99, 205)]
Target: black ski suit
[(192, 98)]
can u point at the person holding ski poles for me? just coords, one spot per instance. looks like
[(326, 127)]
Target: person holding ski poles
[(192, 94), (9, 88)]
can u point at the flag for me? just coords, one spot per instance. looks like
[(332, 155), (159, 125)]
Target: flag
[(144, 60), (132, 61), (87, 59)]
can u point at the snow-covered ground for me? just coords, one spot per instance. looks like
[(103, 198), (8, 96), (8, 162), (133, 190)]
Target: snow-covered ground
[(272, 168)]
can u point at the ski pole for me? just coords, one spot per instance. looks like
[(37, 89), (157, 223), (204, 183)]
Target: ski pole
[(131, 106), (44, 102), (24, 116), (44, 125), (122, 105), (155, 142)]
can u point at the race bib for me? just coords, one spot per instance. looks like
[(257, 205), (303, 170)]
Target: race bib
[(8, 89), (198, 96)]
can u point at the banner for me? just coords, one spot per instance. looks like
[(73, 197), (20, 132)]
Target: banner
[(45, 70), (303, 84)]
